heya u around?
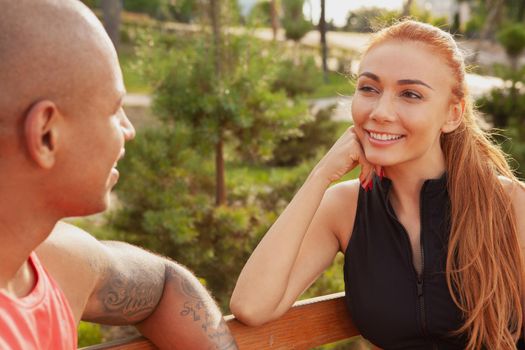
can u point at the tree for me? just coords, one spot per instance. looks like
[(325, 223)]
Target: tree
[(112, 10), (294, 23), (220, 187), (224, 92), (324, 48), (274, 18), (406, 8), (512, 37)]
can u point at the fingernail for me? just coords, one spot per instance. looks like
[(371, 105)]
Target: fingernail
[(370, 185)]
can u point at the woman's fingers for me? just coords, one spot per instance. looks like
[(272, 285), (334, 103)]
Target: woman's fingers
[(367, 169), (344, 156)]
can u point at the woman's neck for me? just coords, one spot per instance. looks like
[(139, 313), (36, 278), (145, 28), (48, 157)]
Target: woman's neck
[(407, 182)]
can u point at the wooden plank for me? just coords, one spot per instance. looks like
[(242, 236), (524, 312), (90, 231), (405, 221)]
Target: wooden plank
[(133, 343), (307, 324)]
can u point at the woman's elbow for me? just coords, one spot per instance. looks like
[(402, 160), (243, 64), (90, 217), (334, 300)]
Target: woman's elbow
[(247, 314)]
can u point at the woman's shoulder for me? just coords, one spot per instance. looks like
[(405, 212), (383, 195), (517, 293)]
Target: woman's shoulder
[(343, 193), (339, 199), (516, 191)]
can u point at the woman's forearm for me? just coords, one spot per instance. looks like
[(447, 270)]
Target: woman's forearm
[(264, 279)]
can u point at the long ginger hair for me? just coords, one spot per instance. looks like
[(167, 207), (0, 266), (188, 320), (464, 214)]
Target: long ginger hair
[(484, 268)]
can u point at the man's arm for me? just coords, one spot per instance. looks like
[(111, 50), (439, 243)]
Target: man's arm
[(123, 284)]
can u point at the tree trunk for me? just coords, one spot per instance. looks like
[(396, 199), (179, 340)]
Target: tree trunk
[(324, 48), (215, 17), (220, 184), (111, 10), (493, 18), (220, 191), (275, 19), (521, 11), (406, 8)]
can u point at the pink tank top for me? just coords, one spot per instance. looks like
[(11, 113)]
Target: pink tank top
[(42, 320)]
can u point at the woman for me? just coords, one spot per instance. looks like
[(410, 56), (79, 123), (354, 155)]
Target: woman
[(432, 229)]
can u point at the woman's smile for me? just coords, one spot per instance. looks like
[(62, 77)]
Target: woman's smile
[(382, 138)]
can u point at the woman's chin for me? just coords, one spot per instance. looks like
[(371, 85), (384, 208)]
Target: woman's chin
[(379, 159)]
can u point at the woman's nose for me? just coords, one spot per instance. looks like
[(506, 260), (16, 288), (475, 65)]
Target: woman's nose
[(383, 110)]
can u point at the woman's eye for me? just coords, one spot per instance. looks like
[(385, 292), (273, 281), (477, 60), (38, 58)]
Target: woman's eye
[(366, 88), (411, 95)]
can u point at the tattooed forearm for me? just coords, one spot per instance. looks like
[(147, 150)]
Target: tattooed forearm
[(198, 307)]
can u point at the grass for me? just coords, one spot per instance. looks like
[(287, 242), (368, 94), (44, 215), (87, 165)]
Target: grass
[(338, 84), (134, 82)]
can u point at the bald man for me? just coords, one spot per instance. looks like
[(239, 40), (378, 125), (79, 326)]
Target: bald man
[(62, 132)]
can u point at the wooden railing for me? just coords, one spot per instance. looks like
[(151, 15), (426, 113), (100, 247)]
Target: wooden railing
[(309, 323)]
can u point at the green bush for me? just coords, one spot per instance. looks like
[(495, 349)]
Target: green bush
[(473, 26), (155, 8), (260, 15), (294, 24), (298, 77), (318, 135), (502, 106), (512, 37), (89, 334), (91, 3), (505, 109)]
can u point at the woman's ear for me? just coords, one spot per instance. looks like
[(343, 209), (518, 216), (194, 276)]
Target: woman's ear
[(455, 116), (41, 132)]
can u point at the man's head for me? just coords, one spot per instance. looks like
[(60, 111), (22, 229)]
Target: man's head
[(62, 127)]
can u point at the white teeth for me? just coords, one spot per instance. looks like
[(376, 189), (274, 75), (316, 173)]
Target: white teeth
[(385, 137)]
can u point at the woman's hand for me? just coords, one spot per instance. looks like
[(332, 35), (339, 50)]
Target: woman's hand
[(345, 155)]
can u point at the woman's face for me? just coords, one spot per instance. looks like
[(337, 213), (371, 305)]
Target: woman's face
[(402, 103)]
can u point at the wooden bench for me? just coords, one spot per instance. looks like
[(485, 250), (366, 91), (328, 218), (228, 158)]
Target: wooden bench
[(309, 323)]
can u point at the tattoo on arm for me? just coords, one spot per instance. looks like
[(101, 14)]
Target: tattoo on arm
[(203, 312), (127, 300), (131, 294)]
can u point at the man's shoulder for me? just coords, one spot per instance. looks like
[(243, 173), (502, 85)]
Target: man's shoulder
[(71, 256)]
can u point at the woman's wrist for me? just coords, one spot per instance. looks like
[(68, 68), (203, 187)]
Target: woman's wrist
[(319, 176)]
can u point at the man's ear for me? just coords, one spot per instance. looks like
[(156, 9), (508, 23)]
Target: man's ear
[(455, 116), (41, 131)]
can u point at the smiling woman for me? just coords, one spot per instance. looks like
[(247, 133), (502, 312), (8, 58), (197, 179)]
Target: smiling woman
[(430, 231)]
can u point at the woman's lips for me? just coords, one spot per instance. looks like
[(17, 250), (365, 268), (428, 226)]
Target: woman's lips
[(383, 139)]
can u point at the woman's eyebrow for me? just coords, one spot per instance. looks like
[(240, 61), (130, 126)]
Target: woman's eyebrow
[(413, 81), (370, 75), (400, 82)]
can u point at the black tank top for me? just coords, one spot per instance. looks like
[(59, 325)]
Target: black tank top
[(391, 305)]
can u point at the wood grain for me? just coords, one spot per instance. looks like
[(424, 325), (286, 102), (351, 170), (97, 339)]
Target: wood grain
[(307, 324)]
